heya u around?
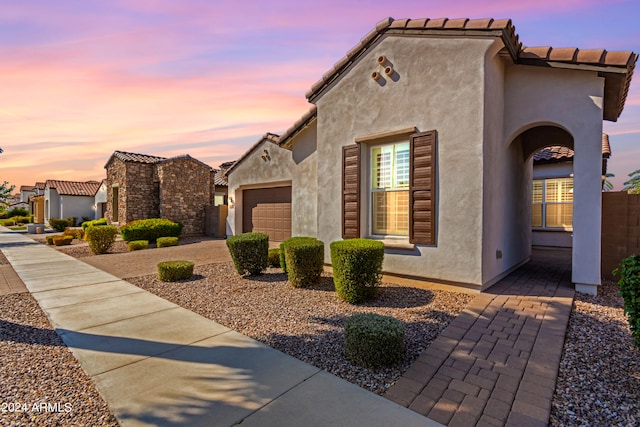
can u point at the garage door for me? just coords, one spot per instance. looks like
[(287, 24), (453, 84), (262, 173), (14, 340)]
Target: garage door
[(267, 210)]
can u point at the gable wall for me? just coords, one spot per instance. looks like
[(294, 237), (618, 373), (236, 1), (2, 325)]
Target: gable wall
[(439, 86)]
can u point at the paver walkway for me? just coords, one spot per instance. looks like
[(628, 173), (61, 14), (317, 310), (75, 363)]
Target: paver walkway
[(497, 362), (10, 283)]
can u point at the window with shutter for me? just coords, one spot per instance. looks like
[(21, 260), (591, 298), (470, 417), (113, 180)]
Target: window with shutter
[(402, 178)]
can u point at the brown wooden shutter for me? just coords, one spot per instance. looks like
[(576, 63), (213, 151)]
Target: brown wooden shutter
[(351, 191), (422, 215)]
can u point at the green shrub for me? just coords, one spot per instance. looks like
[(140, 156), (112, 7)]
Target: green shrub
[(72, 220), (50, 237), (76, 233), (101, 221), (8, 222), (62, 240), (163, 242), (283, 261), (101, 238), (273, 258), (59, 224), (304, 258), (372, 340), (357, 268), (249, 251), (136, 245), (17, 212), (150, 229), (629, 283), (171, 271)]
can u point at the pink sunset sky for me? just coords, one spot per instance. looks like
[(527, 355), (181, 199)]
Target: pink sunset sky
[(81, 79)]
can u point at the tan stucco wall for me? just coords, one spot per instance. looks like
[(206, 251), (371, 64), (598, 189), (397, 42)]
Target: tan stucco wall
[(440, 85), (304, 194)]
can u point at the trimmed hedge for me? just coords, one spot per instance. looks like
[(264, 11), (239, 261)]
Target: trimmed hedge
[(249, 251), (304, 258), (629, 284), (101, 238), (163, 242), (372, 340), (172, 271), (136, 245), (49, 239), (283, 261), (150, 229), (76, 233), (357, 268), (62, 240), (273, 258), (59, 224), (92, 223)]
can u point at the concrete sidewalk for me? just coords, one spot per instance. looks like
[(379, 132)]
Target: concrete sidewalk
[(156, 363)]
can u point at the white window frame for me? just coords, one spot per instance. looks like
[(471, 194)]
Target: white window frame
[(544, 204)]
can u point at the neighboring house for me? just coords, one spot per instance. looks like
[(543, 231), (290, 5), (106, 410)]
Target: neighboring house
[(66, 199), (552, 198), (26, 192), (141, 186), (100, 200), (423, 137), (19, 205)]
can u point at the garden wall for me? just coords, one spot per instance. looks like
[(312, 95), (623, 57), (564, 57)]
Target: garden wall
[(620, 229)]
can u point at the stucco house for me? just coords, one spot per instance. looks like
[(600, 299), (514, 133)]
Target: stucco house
[(100, 200), (142, 186), (423, 135), (66, 199), (36, 202)]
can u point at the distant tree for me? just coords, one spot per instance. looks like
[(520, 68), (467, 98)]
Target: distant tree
[(5, 192), (633, 185), (607, 185)]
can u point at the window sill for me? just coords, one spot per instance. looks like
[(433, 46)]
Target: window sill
[(554, 230), (397, 245)]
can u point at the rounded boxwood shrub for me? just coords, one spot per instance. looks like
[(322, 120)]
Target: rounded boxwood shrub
[(50, 239), (94, 222), (76, 233), (172, 271), (629, 283), (249, 252), (273, 258), (283, 261), (163, 242), (150, 229), (357, 268), (304, 258), (59, 224), (62, 240), (372, 340), (101, 238), (137, 245)]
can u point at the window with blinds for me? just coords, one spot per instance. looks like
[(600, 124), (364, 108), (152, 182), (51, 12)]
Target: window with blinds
[(552, 203), (390, 189)]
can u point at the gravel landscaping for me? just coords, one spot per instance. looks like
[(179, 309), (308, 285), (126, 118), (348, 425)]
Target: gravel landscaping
[(41, 383), (308, 323), (599, 379)]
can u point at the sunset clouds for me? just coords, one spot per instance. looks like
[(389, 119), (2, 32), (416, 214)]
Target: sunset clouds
[(82, 79)]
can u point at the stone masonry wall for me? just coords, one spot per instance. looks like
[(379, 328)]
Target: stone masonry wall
[(185, 190), (142, 198), (116, 174)]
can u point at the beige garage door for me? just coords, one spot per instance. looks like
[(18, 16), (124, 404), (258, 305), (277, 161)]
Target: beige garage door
[(268, 210)]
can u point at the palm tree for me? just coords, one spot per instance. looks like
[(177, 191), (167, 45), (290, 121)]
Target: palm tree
[(606, 184), (633, 185)]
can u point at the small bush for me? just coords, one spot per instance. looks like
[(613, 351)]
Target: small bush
[(101, 238), (59, 224), (171, 271), (101, 221), (163, 242), (357, 268), (18, 212), (304, 258), (273, 258), (150, 229), (49, 238), (249, 251), (62, 240), (85, 219), (372, 340), (72, 220), (283, 261), (136, 245), (629, 283), (76, 233)]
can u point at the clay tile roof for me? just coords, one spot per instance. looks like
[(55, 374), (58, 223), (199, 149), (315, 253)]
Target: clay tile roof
[(136, 157), (220, 179), (456, 23), (27, 187), (556, 153), (40, 185), (270, 137), (74, 188), (566, 54), (536, 53), (183, 157)]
